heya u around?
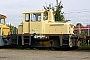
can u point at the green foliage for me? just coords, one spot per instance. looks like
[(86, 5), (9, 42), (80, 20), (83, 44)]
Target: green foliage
[(79, 24), (47, 49), (59, 16), (84, 47), (52, 49), (27, 48), (76, 32), (18, 47), (79, 30), (35, 49), (13, 29), (83, 33)]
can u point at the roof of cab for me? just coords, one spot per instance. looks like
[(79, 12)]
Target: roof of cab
[(33, 11), (2, 16)]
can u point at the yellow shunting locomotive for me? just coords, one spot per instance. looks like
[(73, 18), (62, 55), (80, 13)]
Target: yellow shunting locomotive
[(4, 30), (39, 29)]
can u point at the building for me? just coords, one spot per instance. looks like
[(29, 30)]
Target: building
[(86, 29)]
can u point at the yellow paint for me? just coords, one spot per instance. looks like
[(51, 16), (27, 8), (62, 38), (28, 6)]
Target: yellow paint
[(20, 29), (6, 31), (48, 26)]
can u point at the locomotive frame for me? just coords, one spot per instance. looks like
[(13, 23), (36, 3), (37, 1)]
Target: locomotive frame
[(40, 30)]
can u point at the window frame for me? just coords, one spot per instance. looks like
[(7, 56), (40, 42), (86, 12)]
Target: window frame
[(27, 18)]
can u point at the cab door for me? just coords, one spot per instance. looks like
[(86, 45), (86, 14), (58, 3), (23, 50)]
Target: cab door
[(6, 31), (1, 40)]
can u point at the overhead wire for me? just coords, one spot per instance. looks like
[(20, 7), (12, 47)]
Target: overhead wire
[(78, 14), (77, 11)]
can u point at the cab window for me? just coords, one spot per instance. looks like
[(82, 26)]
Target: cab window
[(27, 19), (36, 17), (45, 15), (2, 21)]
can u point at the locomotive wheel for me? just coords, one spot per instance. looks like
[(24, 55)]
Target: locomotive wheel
[(54, 41)]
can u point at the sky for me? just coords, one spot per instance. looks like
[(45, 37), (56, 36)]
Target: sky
[(78, 11)]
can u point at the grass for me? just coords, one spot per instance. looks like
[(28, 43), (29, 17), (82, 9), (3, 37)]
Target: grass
[(27, 48), (84, 47)]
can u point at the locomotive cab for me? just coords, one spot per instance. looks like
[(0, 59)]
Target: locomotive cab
[(35, 21), (4, 31), (43, 22)]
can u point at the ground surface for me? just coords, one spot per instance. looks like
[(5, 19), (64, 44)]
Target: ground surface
[(14, 54)]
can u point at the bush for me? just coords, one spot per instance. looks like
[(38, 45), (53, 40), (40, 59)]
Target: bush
[(35, 49), (27, 49), (84, 47)]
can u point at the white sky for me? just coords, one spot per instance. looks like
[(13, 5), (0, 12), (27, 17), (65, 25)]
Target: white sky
[(13, 9)]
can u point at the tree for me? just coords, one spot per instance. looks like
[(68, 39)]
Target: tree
[(13, 29), (79, 31), (57, 10), (59, 15), (79, 24)]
